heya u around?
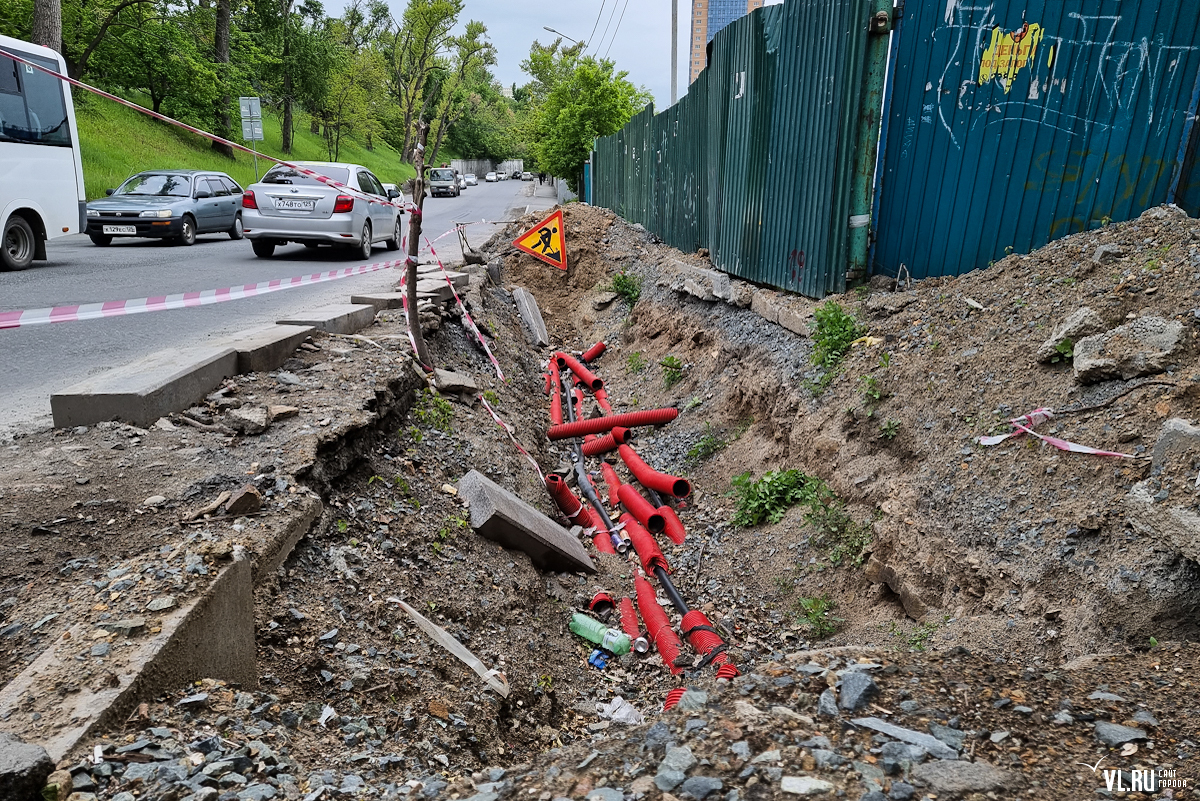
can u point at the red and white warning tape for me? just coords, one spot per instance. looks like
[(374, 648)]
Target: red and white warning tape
[(466, 315), (512, 437), (182, 300), (1025, 425)]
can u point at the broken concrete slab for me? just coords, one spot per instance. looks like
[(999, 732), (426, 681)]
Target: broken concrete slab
[(249, 420), (392, 300), (263, 349), (500, 516), (336, 318), (927, 741), (764, 304), (145, 390), (531, 315), (460, 280), (436, 287), (1145, 346), (451, 382)]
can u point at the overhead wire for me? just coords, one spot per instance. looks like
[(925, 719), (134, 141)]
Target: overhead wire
[(618, 28), (608, 24), (596, 24)]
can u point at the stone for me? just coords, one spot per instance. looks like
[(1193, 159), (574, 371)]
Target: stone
[(1107, 253), (692, 700), (949, 736), (827, 759), (667, 780), (930, 743), (1103, 696), (1145, 718), (531, 317), (763, 303), (766, 756), (24, 768), (126, 627), (257, 792), (856, 691), (1114, 734), (161, 603), (1082, 322), (101, 649), (604, 300), (245, 501), (1144, 346), (454, 383), (154, 501), (805, 785), (277, 412), (784, 713), (699, 787), (501, 516), (248, 421), (1176, 436), (827, 704), (677, 759), (959, 776), (901, 791), (793, 320)]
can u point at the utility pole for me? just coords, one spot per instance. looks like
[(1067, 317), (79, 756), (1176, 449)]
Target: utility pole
[(674, 51)]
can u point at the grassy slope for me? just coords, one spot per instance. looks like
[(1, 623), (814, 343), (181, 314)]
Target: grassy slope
[(116, 142)]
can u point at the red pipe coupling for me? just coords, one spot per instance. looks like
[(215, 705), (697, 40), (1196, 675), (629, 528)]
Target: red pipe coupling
[(641, 509), (650, 478), (582, 373), (704, 638), (568, 504), (609, 442)]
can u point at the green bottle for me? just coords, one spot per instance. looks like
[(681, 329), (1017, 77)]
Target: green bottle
[(592, 630)]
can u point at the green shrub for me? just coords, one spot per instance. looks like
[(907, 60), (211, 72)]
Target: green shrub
[(628, 286), (835, 330)]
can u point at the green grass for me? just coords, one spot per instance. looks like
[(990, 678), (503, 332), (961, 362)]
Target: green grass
[(116, 142)]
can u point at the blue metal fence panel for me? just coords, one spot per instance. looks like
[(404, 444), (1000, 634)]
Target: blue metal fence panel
[(1014, 123)]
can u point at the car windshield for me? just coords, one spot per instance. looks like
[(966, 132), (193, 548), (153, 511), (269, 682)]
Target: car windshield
[(156, 183), (287, 175), (442, 175)]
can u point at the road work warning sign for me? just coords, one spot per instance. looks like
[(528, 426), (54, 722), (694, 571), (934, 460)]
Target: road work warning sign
[(546, 240)]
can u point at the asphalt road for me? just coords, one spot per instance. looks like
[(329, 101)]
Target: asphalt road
[(43, 359)]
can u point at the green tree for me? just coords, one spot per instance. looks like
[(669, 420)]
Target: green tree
[(575, 100), (298, 57), (416, 51), (471, 54)]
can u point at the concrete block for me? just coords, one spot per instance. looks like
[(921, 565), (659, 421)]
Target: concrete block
[(391, 300), (763, 303), (261, 350), (531, 315), (793, 320), (336, 318), (451, 382), (502, 517), (741, 294), (145, 390), (460, 280), (436, 287)]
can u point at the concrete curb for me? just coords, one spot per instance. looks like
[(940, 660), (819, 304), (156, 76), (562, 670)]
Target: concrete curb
[(261, 350), (335, 318)]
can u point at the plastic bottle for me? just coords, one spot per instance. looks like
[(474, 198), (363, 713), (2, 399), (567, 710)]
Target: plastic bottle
[(613, 640)]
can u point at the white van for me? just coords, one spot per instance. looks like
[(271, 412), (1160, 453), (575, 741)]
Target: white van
[(443, 181)]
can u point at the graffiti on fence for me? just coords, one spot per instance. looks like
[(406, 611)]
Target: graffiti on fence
[(796, 265)]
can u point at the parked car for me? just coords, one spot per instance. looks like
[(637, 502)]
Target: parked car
[(398, 197), (443, 181), (501, 175), (471, 179), (289, 206), (515, 175), (526, 176), (462, 180), (168, 204), (490, 177)]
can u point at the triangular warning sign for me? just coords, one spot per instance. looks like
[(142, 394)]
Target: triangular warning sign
[(547, 241)]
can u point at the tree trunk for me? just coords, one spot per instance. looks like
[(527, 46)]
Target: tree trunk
[(314, 126), (221, 41), (414, 247), (286, 133), (47, 24)]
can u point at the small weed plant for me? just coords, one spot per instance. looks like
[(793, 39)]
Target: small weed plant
[(889, 429), (916, 638), (491, 397), (435, 411), (835, 330), (628, 286), (636, 362), (711, 443), (817, 614), (871, 390), (1063, 352), (693, 403), (672, 370)]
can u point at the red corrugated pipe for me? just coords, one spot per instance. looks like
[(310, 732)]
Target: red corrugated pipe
[(658, 627), (603, 542), (609, 442), (641, 509), (673, 698), (546, 389), (556, 409), (629, 624), (595, 425), (601, 603), (650, 478), (674, 526), (570, 506), (613, 481), (704, 638), (727, 671), (602, 400), (594, 352), (582, 373), (647, 549), (577, 393)]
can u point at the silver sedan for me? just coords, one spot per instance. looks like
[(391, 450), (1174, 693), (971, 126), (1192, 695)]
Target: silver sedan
[(289, 206)]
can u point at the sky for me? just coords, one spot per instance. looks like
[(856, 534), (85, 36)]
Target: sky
[(638, 37)]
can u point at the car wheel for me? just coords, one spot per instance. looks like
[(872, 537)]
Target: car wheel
[(394, 242), (19, 244), (100, 240), (364, 246), (187, 232), (235, 233), (263, 248)]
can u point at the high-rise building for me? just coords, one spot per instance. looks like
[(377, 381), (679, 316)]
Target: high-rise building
[(709, 17)]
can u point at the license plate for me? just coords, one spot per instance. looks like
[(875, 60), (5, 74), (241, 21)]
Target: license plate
[(291, 204), (120, 229)]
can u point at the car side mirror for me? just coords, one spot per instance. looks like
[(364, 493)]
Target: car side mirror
[(202, 193), (393, 194), (109, 191)]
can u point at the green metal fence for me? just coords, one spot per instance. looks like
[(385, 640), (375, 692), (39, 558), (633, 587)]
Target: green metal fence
[(755, 162)]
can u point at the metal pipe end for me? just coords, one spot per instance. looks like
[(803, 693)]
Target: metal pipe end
[(641, 645), (623, 546)]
